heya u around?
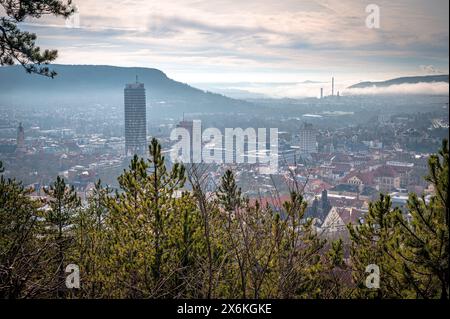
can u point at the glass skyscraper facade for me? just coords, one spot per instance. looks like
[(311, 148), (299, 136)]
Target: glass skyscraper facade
[(135, 120)]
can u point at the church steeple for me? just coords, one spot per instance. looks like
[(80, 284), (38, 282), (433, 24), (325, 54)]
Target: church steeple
[(20, 138)]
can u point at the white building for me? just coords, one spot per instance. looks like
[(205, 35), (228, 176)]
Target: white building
[(337, 220), (308, 141)]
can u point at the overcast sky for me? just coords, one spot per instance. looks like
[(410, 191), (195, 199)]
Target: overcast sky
[(255, 40)]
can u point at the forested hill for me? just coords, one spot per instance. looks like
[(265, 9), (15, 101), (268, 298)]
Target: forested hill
[(88, 84)]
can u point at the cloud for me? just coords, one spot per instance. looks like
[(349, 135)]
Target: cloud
[(302, 89), (430, 69), (289, 90), (435, 88), (259, 36)]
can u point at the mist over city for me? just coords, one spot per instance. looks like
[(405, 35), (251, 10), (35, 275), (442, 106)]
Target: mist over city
[(214, 149)]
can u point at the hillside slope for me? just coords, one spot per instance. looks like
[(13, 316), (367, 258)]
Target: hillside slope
[(87, 84)]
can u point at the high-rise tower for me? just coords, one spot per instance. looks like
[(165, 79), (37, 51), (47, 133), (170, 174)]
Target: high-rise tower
[(135, 119), (308, 141), (194, 127)]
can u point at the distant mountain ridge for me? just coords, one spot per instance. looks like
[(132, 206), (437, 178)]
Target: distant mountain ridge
[(94, 84), (403, 80)]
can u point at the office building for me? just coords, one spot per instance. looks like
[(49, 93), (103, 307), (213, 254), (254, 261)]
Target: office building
[(308, 142), (195, 133), (135, 120)]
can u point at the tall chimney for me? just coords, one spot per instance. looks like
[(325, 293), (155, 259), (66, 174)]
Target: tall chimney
[(332, 86)]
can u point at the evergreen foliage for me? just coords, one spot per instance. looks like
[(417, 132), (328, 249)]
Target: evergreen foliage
[(154, 239)]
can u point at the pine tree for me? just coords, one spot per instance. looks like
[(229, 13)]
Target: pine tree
[(128, 237), (63, 204), (23, 260), (229, 194), (161, 189), (374, 242), (230, 200), (18, 46), (211, 254), (334, 275), (89, 228), (299, 252), (187, 244), (140, 221), (151, 240), (425, 235)]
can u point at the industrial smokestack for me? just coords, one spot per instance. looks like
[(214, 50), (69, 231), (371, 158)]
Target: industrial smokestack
[(332, 86), (321, 93)]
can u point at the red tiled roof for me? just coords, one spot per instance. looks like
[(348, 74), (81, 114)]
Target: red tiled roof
[(318, 185), (365, 177), (341, 158), (385, 171), (341, 167), (345, 202), (349, 215), (401, 169), (272, 201)]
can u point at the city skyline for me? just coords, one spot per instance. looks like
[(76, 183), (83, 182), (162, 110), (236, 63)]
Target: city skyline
[(224, 155)]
